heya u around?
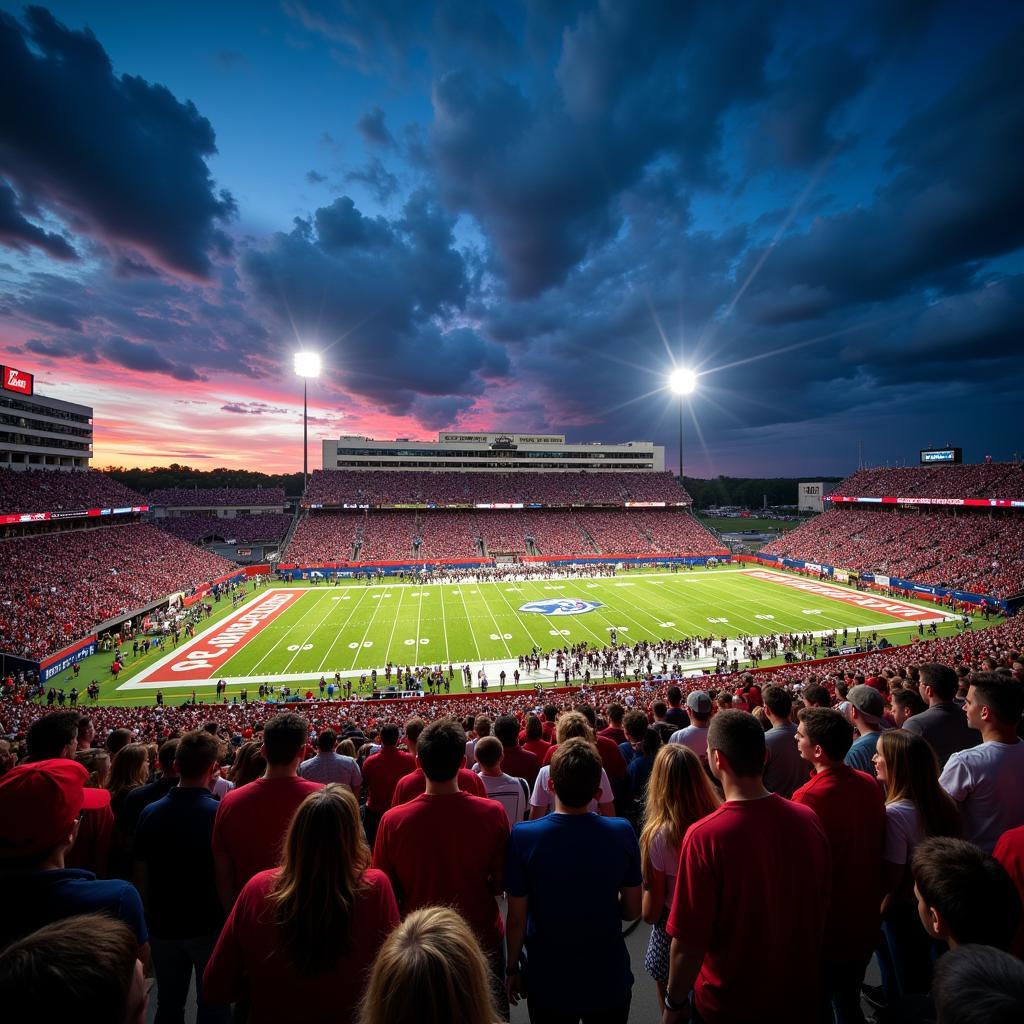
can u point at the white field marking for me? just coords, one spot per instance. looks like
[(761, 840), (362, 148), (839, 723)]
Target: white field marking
[(682, 612), (419, 611), (469, 622), (394, 626), (369, 624), (497, 628), (302, 646), (519, 616), (444, 627), (834, 620), (338, 635), (313, 606), (580, 619), (136, 681)]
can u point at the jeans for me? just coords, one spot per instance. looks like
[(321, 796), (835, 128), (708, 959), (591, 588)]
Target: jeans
[(607, 1015), (907, 965), (174, 960)]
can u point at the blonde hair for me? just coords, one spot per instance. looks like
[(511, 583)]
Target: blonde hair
[(678, 794), (430, 970), (96, 761), (571, 725), (129, 769), (313, 897)]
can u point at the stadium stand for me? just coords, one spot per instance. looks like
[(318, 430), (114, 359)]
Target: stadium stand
[(52, 491), (218, 497), (983, 480), (326, 536), (270, 526), (58, 587)]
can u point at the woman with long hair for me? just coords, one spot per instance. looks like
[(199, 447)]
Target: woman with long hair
[(313, 926), (128, 771), (431, 970), (916, 808), (678, 794), (249, 764)]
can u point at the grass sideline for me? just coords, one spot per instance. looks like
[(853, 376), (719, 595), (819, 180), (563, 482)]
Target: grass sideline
[(735, 524)]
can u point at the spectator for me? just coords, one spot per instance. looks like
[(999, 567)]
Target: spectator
[(252, 821), (905, 704), (785, 771), (943, 725), (916, 808), (310, 928), (139, 799), (249, 764), (129, 772), (816, 696), (678, 794), (535, 743), (516, 761), (695, 735), (430, 970), (675, 715), (614, 731), (637, 775), (964, 895), (635, 724), (723, 895), (985, 780), (571, 725), (83, 968), (512, 793), (1009, 852), (462, 836), (603, 889), (175, 875), (329, 766), (867, 706), (977, 984), (381, 773), (40, 805), (412, 785), (851, 811)]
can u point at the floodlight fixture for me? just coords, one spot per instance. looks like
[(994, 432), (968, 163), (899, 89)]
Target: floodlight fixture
[(307, 364), (682, 381)]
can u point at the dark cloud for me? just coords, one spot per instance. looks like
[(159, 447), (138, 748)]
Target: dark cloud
[(315, 177), (20, 234), (377, 178), (112, 156), (373, 129), (252, 408), (144, 358), (230, 60)]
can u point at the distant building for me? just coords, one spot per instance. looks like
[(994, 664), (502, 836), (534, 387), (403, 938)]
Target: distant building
[(38, 432), (493, 452)]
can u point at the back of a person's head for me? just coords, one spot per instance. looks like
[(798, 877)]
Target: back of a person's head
[(616, 712), (129, 769), (911, 700), (249, 763), (651, 742), (117, 739), (325, 854), (777, 701), (816, 694), (197, 752), (166, 755), (441, 749), (489, 751), (482, 726), (576, 773), (635, 724), (675, 695), (977, 984), (828, 729), (534, 729), (969, 889), (48, 735), (589, 714), (79, 969), (414, 729), (941, 678), (389, 735), (430, 970), (1001, 694), (84, 726), (326, 741), (550, 712), (737, 737), (284, 738), (572, 725), (506, 728)]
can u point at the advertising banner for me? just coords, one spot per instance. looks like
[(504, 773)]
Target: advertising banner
[(16, 380), (57, 663)]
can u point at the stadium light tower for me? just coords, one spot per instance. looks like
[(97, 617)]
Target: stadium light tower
[(307, 364), (682, 382)]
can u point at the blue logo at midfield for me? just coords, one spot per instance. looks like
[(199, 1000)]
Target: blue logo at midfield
[(561, 606)]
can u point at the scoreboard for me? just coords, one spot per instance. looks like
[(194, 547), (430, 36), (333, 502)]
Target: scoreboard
[(952, 456)]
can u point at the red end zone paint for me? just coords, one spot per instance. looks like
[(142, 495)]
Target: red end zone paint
[(897, 609), (205, 655)]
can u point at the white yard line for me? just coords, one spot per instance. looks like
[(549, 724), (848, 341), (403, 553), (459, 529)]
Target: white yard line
[(394, 625), (469, 622), (444, 627), (344, 626), (370, 624)]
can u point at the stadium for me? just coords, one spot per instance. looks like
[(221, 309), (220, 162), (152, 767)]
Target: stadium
[(642, 637)]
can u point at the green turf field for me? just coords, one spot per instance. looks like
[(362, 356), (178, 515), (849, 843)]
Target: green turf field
[(354, 627)]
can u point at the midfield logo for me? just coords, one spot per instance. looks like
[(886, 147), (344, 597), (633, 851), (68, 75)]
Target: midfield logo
[(561, 606)]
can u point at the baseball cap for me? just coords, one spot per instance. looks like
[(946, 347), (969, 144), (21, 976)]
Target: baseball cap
[(39, 803), (868, 701), (699, 703)]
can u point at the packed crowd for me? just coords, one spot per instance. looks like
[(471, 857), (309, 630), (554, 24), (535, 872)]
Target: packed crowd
[(218, 497), (379, 535), (38, 490), (336, 487), (984, 480), (979, 552), (862, 812), (270, 526), (56, 588)]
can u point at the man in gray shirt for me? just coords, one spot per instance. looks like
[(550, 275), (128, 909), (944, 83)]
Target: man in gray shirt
[(944, 724), (785, 771), (330, 766), (695, 735)]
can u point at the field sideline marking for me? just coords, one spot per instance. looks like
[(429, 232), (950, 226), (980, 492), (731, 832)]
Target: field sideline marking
[(391, 635), (355, 608)]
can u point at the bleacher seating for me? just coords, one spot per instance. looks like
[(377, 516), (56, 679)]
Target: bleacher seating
[(38, 490), (270, 526), (57, 587), (982, 480), (218, 497)]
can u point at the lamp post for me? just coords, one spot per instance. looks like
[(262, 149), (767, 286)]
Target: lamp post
[(307, 364), (682, 382)]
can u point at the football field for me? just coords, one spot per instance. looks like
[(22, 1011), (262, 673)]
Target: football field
[(296, 633)]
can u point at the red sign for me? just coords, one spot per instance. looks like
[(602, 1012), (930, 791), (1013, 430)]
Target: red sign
[(16, 380)]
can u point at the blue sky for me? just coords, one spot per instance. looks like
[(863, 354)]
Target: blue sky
[(519, 216)]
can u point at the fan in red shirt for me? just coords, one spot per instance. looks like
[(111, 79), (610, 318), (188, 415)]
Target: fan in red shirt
[(252, 821), (446, 846), (515, 761), (533, 738), (850, 806), (381, 773), (412, 785), (726, 893), (312, 926)]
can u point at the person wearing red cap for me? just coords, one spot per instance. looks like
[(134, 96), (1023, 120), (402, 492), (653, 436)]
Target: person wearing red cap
[(41, 805)]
